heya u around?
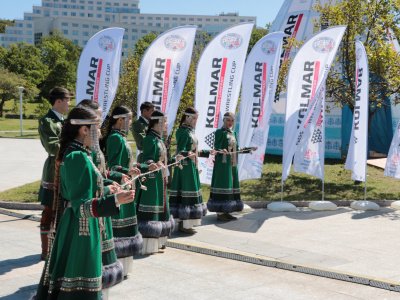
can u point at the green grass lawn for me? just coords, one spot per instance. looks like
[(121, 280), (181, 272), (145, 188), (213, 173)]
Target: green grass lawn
[(23, 193), (10, 128), (338, 186)]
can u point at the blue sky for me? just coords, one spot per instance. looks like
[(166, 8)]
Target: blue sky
[(264, 10)]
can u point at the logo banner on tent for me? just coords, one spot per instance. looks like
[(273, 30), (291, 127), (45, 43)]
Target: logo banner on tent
[(308, 70), (310, 146), (392, 168), (356, 160), (98, 68), (218, 78), (258, 91), (164, 69)]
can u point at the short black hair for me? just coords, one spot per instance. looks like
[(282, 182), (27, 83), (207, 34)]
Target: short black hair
[(89, 103), (58, 93), (146, 105)]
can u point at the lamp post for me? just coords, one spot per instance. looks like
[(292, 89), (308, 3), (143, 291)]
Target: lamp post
[(20, 89)]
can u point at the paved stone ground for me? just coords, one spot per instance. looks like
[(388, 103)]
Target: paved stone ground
[(365, 243), (174, 274), (21, 162)]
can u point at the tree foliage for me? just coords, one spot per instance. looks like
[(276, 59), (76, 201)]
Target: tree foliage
[(9, 83), (369, 22), (4, 23), (61, 57), (25, 60), (53, 62)]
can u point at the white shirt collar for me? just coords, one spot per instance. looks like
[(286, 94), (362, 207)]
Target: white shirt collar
[(60, 116)]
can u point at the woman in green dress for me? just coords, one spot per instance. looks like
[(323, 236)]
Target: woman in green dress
[(155, 221), (225, 190), (112, 181), (74, 269), (128, 240), (185, 198)]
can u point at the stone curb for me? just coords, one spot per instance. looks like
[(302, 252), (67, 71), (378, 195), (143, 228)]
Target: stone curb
[(252, 204), (20, 206), (18, 215)]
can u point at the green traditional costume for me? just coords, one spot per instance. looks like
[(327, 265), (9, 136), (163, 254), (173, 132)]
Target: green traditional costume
[(139, 129), (74, 269), (225, 190), (186, 201), (128, 240), (155, 221), (112, 268), (49, 132)]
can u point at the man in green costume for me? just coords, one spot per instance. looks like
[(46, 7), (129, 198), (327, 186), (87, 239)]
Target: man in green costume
[(140, 126), (49, 131)]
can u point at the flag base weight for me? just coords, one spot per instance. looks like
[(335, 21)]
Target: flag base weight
[(395, 205), (322, 205), (364, 205), (281, 206)]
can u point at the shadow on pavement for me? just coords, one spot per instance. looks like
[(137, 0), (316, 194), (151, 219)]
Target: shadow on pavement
[(10, 264), (252, 221), (387, 213), (25, 292)]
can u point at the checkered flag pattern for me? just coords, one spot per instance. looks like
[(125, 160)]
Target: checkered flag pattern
[(210, 139), (317, 136)]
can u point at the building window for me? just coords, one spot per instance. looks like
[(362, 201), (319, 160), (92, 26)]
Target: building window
[(90, 15), (73, 14), (65, 31), (75, 32), (99, 15), (85, 26), (85, 33), (75, 25), (64, 24)]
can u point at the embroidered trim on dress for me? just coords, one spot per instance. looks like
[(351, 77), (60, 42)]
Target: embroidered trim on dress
[(77, 284), (185, 194), (47, 185), (107, 245), (151, 208), (121, 223), (221, 190)]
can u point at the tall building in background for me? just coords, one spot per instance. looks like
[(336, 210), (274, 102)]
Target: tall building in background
[(78, 20)]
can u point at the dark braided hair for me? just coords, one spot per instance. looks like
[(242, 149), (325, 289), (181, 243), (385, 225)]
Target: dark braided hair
[(69, 132), (109, 123), (152, 122), (189, 110)]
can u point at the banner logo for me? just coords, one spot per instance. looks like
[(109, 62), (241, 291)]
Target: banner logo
[(106, 43), (268, 47), (231, 41), (175, 42), (324, 44)]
